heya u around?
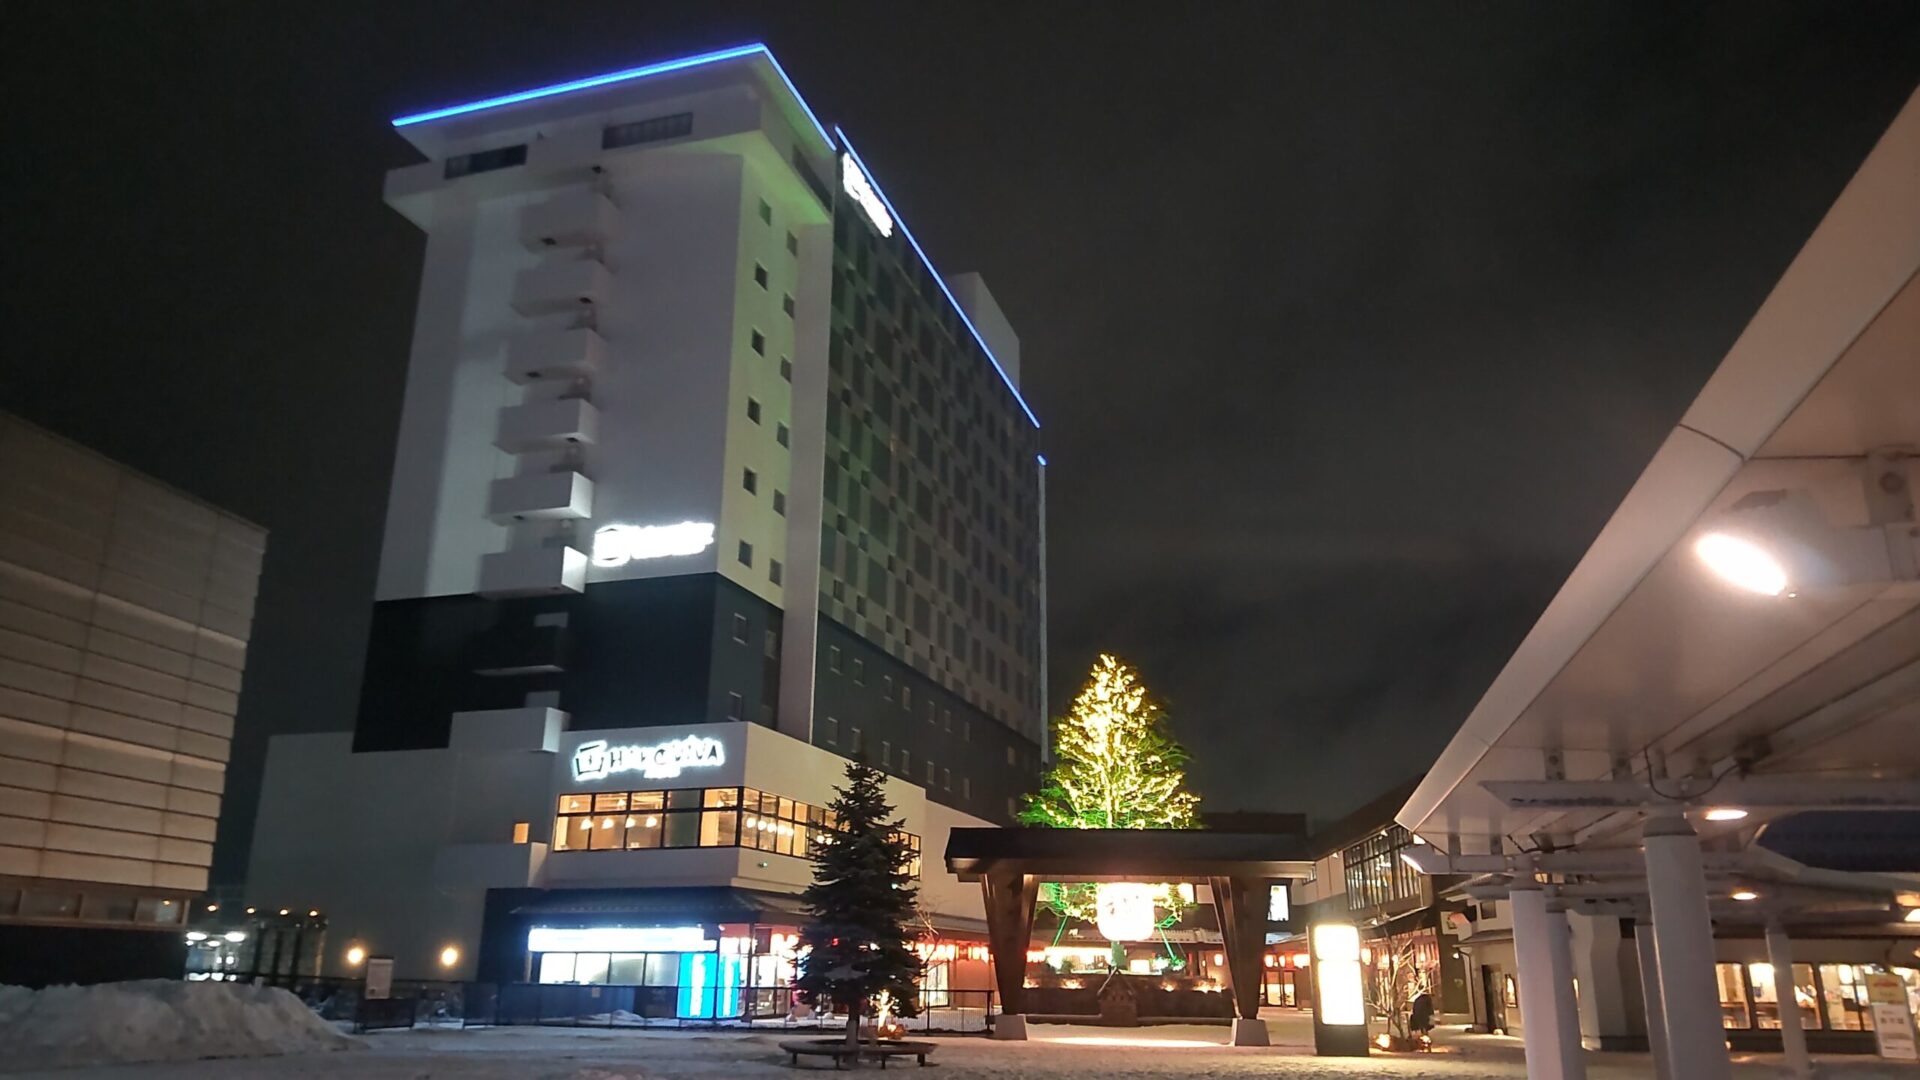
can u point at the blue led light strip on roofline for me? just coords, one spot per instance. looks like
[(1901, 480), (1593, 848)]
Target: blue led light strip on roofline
[(627, 75), (847, 145)]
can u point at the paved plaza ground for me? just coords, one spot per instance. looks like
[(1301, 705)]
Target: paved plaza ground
[(1056, 1051)]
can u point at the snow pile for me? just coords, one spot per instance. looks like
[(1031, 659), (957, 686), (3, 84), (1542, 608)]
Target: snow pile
[(155, 1020)]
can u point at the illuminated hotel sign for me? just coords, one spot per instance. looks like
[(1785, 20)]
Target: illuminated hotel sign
[(663, 761), (542, 939), (618, 545), (861, 190)]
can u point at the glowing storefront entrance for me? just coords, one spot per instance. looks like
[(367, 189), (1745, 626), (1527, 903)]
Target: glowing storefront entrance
[(675, 971)]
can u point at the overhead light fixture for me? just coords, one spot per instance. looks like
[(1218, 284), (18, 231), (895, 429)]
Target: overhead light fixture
[(1913, 915), (235, 936), (355, 955), (1780, 542), (1725, 813), (1745, 895)]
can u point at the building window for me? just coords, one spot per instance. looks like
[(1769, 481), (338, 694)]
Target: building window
[(831, 731), (753, 410), (966, 788), (750, 480), (773, 571), (780, 434), (758, 341), (793, 244), (833, 659), (1510, 992), (930, 772), (766, 211), (786, 369), (859, 672), (946, 779), (906, 762), (1376, 874), (1010, 757), (855, 742), (735, 705), (1844, 993), (698, 817), (646, 131), (504, 157), (786, 305), (521, 831), (740, 628), (946, 719), (759, 275), (746, 553), (886, 687), (780, 502), (886, 754), (906, 696)]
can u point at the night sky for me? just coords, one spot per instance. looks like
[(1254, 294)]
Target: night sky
[(1349, 324)]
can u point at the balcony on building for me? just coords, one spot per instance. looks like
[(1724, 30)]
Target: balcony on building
[(547, 424), (533, 572), (555, 354), (575, 218), (534, 496), (553, 287)]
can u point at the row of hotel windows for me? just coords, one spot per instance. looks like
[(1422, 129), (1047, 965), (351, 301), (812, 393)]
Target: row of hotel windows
[(697, 817), (1829, 996)]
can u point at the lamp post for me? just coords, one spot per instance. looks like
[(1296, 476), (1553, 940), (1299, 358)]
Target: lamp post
[(1339, 994)]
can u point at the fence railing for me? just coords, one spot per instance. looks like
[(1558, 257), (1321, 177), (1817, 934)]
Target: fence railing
[(434, 1003)]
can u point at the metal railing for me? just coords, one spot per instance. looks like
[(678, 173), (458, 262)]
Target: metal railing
[(435, 1003)]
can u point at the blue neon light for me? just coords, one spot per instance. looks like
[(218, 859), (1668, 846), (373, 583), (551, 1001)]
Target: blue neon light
[(901, 222), (617, 77)]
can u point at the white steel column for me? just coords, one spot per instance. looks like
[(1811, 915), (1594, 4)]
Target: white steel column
[(1548, 1012), (1683, 943), (1650, 997), (1793, 1041)]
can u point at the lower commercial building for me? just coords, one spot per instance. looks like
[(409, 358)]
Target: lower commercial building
[(670, 858), (125, 608)]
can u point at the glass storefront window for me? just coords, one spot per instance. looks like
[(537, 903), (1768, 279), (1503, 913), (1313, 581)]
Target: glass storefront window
[(627, 969), (1845, 993), (590, 968), (1733, 996), (1766, 1011), (697, 817), (556, 967)]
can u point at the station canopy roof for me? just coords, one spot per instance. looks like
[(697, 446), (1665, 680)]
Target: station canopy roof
[(1644, 655)]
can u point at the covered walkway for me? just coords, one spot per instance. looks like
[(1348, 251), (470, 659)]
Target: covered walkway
[(1741, 644)]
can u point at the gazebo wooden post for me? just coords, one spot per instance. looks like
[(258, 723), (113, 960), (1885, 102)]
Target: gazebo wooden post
[(1240, 905), (1009, 897)]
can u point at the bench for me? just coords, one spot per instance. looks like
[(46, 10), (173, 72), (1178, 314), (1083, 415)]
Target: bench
[(838, 1050)]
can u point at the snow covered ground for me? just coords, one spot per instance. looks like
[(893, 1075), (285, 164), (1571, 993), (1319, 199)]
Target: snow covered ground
[(155, 1020), (1055, 1053)]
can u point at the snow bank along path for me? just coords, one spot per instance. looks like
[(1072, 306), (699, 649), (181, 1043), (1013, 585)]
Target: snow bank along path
[(155, 1020)]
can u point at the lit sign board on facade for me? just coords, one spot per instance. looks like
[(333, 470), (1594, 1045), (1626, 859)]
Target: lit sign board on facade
[(662, 761), (618, 545), (543, 939), (860, 189)]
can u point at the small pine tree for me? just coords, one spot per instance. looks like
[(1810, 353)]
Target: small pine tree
[(1115, 767), (858, 937)]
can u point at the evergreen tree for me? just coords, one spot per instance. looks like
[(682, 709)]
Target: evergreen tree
[(858, 940), (1115, 767)]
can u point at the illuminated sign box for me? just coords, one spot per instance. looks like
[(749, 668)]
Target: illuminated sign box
[(1339, 994), (598, 760), (861, 191), (619, 939), (618, 545)]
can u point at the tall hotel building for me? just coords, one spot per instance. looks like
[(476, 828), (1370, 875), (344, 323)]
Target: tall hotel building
[(707, 479)]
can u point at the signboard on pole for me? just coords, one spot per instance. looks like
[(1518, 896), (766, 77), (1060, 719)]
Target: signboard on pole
[(379, 985), (1892, 1020)]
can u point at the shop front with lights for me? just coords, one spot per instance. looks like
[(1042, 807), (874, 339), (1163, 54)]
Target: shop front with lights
[(661, 865)]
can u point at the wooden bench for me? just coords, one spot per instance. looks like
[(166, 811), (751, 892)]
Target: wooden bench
[(838, 1050)]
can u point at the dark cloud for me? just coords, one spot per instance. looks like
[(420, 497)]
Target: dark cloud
[(1349, 324)]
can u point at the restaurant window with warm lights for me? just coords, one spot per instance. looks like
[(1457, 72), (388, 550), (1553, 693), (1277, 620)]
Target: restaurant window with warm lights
[(698, 818)]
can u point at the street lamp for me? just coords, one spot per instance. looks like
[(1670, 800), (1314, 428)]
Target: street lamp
[(1780, 543)]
